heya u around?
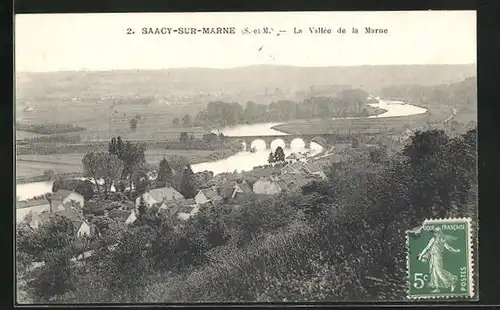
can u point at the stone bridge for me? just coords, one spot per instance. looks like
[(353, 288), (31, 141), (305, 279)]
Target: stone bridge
[(322, 139)]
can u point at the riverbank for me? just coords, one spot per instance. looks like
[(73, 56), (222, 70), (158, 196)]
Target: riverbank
[(31, 168), (396, 118), (46, 178)]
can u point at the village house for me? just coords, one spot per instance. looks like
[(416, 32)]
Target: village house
[(184, 209), (63, 197), (301, 168), (207, 195), (23, 208), (80, 226), (269, 186), (159, 195), (229, 190)]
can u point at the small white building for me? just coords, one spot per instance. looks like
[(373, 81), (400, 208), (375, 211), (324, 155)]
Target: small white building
[(269, 186), (63, 197), (159, 195)]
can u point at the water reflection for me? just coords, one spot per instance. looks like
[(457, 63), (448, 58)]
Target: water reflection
[(246, 161)]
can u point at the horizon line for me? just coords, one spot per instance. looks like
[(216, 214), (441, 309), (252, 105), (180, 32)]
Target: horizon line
[(246, 66)]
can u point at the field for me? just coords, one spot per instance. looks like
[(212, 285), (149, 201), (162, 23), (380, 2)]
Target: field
[(102, 120), (35, 165)]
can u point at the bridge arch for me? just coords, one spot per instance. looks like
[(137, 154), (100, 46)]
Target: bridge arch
[(258, 145), (277, 142), (297, 144), (243, 144)]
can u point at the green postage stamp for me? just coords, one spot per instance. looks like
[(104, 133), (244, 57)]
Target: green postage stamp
[(440, 260)]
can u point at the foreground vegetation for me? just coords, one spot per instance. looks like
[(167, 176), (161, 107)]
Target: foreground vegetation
[(326, 241)]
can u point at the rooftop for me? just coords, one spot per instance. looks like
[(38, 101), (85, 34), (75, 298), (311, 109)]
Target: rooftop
[(72, 215), (209, 193), (165, 193)]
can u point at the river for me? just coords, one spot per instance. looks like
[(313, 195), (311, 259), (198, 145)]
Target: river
[(245, 161)]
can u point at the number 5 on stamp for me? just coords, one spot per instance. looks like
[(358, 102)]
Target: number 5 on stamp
[(440, 259)]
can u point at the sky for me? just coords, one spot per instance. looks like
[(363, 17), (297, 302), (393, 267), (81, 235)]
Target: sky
[(64, 42)]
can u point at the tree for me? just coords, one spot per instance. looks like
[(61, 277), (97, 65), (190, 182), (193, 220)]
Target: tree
[(102, 166), (424, 145), (55, 244), (142, 207), (186, 120), (176, 122), (377, 155), (133, 124), (164, 171), (50, 174), (271, 159), (116, 146), (188, 186), (83, 187), (184, 137), (279, 155), (355, 143), (134, 160), (140, 178), (112, 147), (55, 186)]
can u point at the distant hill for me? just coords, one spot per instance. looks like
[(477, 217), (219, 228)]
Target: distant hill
[(459, 94), (232, 81)]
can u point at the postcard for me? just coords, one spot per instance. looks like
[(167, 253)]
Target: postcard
[(246, 157)]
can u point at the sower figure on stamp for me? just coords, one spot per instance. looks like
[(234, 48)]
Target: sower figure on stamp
[(440, 278)]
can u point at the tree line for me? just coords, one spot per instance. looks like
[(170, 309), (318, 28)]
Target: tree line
[(48, 129), (349, 102)]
